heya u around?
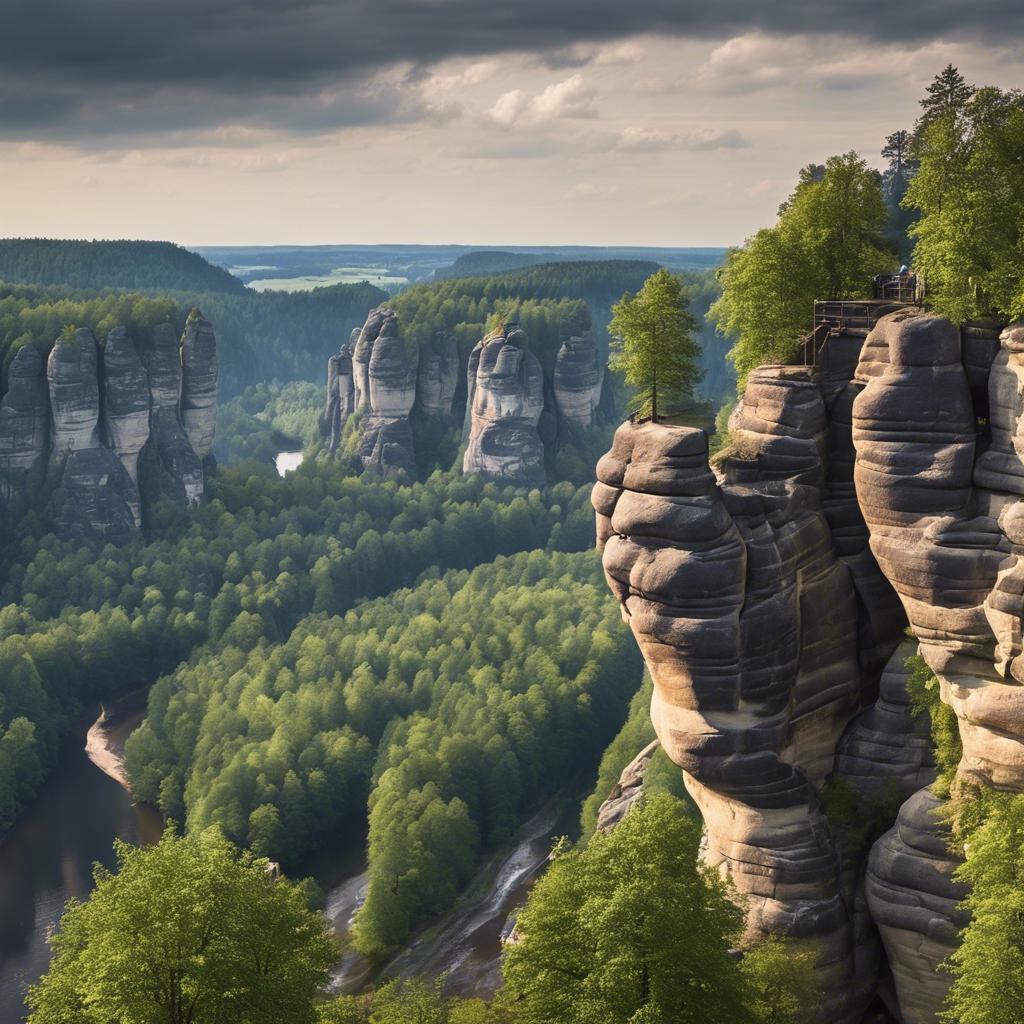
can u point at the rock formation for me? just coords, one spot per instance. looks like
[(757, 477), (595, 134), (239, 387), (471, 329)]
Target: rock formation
[(72, 374), (125, 406), (125, 425), (438, 376), (24, 429), (768, 596), (505, 400), (382, 392), (627, 791), (579, 374), (376, 375), (199, 384), (341, 394)]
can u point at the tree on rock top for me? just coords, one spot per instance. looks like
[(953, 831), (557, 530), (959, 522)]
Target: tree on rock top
[(653, 345), (188, 930)]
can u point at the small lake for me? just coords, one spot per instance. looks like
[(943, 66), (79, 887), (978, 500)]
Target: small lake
[(287, 461)]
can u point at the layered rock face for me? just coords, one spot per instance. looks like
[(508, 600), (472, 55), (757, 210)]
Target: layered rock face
[(126, 424), (376, 374), (505, 385), (24, 429), (579, 374), (72, 374), (749, 612), (438, 376), (199, 384), (389, 390), (945, 515)]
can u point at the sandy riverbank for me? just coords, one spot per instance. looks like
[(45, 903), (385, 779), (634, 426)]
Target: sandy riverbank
[(105, 740)]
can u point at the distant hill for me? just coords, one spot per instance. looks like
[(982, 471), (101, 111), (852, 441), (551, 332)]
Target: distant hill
[(489, 261), (135, 265)]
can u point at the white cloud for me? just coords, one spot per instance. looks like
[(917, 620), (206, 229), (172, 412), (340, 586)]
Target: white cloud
[(571, 98), (639, 139), (509, 107)]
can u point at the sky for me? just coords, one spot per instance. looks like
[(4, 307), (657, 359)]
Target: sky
[(517, 122)]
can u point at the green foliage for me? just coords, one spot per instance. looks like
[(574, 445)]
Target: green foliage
[(781, 978), (189, 929), (78, 624), (827, 244), (988, 966), (652, 343), (858, 820), (266, 419), (970, 194), (412, 1001), (923, 688), (636, 732), (116, 264), (37, 316), (630, 929)]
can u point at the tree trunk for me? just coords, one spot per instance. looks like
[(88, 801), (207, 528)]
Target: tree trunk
[(654, 396)]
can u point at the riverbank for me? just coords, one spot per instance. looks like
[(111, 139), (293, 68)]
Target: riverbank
[(106, 737)]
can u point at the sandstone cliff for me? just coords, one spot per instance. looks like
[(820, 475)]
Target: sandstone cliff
[(389, 398), (769, 597), (124, 424)]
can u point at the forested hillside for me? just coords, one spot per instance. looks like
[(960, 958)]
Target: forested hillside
[(119, 264)]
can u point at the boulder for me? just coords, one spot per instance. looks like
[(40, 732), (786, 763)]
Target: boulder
[(627, 791)]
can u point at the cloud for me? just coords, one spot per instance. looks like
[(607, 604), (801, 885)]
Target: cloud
[(569, 98), (638, 139), (74, 70)]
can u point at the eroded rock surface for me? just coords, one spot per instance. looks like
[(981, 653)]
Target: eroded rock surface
[(438, 376), (125, 402), (24, 429), (749, 615), (627, 791), (505, 386), (71, 371), (579, 373), (913, 900), (199, 384)]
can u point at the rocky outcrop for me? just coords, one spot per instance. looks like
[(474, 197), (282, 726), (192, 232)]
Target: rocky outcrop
[(913, 900), (199, 384), (887, 748), (125, 406), (341, 394), (753, 616), (72, 374), (95, 499), (24, 429), (376, 375), (125, 425), (505, 387), (398, 403), (579, 374), (627, 791)]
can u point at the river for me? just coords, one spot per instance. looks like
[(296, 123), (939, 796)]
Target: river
[(48, 855)]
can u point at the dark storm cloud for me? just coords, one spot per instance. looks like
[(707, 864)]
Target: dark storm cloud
[(74, 69)]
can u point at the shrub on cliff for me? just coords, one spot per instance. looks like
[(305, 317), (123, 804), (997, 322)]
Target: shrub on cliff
[(828, 244)]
